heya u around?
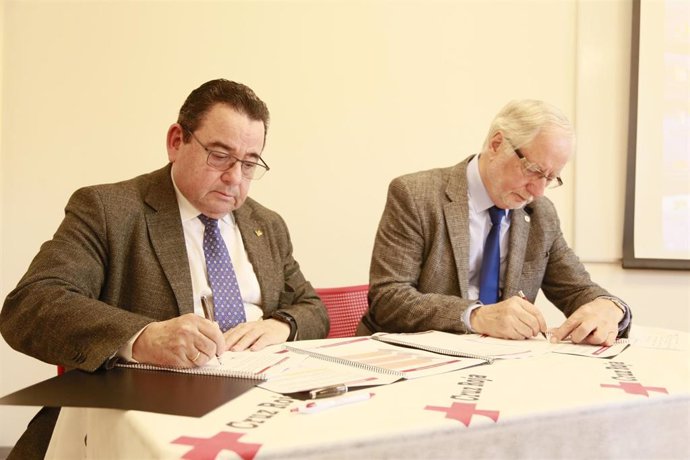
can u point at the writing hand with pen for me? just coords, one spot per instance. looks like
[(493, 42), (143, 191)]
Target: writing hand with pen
[(191, 341), (594, 323), (513, 318), (185, 341)]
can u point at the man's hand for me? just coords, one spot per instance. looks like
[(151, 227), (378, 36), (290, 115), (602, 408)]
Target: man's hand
[(255, 335), (185, 341), (595, 323), (513, 318)]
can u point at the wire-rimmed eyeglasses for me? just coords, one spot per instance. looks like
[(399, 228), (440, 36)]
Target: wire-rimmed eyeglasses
[(530, 169), (222, 161)]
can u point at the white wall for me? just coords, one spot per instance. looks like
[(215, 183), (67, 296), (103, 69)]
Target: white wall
[(359, 91), (659, 298)]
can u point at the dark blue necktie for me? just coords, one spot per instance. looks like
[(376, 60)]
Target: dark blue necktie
[(491, 260), (227, 300)]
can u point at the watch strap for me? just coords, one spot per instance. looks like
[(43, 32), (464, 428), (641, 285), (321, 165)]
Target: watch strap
[(288, 319)]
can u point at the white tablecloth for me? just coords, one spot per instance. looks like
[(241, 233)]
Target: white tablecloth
[(636, 405)]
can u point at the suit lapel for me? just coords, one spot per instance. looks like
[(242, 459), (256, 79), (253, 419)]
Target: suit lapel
[(456, 213), (167, 238), (519, 232), (256, 239)]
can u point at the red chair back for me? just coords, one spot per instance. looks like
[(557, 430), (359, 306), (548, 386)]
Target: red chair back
[(346, 305)]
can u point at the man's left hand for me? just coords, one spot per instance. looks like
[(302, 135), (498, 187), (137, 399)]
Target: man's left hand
[(595, 323), (255, 335)]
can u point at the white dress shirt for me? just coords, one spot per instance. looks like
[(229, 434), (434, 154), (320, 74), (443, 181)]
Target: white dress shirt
[(480, 224), (194, 237)]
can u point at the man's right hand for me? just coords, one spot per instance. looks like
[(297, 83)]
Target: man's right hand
[(185, 341), (513, 318)]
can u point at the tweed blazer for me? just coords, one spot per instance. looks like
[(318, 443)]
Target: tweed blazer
[(419, 271), (118, 262)]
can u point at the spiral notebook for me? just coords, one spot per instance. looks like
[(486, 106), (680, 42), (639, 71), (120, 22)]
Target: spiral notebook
[(491, 348), (373, 356), (244, 365)]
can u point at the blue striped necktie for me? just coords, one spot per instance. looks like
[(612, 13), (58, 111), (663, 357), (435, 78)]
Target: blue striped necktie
[(227, 300)]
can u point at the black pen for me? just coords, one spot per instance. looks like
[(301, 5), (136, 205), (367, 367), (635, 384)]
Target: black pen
[(524, 297), (209, 315)]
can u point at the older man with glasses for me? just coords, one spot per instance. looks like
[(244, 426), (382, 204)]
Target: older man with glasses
[(135, 265), (467, 248)]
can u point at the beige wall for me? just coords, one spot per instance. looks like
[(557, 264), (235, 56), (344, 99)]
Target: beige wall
[(360, 92)]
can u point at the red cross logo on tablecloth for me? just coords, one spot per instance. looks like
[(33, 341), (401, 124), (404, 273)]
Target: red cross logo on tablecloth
[(205, 448), (463, 412), (635, 388)]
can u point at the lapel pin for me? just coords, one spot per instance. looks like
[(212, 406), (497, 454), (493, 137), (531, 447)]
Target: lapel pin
[(258, 232), (527, 219)]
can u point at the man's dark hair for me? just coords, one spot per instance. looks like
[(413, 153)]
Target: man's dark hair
[(236, 95)]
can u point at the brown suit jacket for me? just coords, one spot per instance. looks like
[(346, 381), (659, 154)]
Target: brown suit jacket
[(420, 263), (118, 262)]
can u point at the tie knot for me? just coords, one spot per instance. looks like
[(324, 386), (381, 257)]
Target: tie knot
[(208, 221), (496, 215)]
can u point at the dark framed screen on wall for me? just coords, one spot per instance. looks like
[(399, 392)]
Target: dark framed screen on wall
[(657, 209)]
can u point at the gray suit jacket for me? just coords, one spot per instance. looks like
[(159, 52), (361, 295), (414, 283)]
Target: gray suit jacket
[(420, 263), (118, 262)]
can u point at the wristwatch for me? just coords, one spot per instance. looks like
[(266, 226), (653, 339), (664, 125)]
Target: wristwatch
[(286, 318), (617, 302)]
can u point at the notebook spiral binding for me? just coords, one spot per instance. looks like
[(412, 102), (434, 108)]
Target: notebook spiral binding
[(212, 371)]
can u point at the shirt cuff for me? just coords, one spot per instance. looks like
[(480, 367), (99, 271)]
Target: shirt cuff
[(468, 312), (125, 351)]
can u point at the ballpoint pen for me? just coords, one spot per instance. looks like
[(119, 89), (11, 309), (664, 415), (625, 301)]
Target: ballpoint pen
[(524, 297), (208, 311), (320, 392), (209, 315), (328, 392), (320, 405)]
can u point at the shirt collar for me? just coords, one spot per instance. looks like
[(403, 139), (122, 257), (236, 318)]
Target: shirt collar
[(478, 196), (189, 212)]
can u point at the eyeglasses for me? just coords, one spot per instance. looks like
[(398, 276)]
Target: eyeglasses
[(224, 161), (530, 169)]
